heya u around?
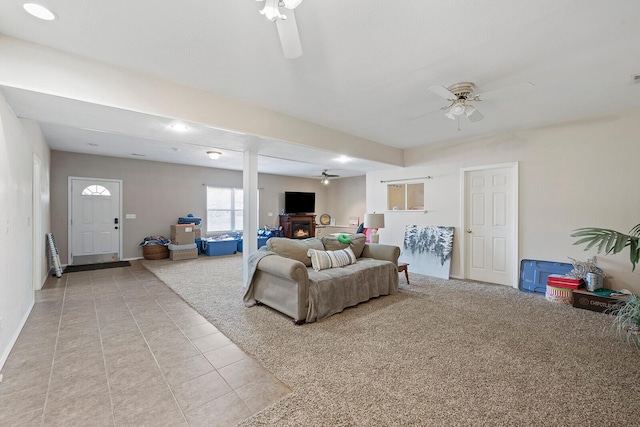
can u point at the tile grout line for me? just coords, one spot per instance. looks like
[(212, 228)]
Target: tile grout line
[(55, 349), (233, 390), (104, 359), (184, 417)]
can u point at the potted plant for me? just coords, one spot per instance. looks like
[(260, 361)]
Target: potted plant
[(626, 319), (626, 314), (611, 241)]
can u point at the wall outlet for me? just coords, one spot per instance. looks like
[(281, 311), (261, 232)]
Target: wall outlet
[(269, 213)]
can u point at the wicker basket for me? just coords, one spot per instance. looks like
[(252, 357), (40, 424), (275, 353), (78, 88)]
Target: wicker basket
[(155, 252)]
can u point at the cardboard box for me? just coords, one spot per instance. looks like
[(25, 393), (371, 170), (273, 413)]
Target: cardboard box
[(183, 254), (182, 234), (198, 233), (590, 301)]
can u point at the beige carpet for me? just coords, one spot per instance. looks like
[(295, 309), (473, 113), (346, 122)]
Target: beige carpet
[(439, 353)]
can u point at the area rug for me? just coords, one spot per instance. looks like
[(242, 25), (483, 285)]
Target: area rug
[(439, 353), (99, 266)]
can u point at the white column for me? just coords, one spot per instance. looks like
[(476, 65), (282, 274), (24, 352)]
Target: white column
[(250, 220)]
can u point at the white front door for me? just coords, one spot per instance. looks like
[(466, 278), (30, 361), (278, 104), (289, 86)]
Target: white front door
[(94, 220), (490, 225)]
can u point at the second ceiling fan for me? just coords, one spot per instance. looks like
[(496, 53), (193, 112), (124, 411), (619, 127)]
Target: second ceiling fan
[(460, 96), (286, 24)]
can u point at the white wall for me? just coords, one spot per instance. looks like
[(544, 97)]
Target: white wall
[(573, 175), (346, 198), (20, 140)]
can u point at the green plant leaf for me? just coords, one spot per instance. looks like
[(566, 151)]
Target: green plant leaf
[(634, 252), (610, 241)]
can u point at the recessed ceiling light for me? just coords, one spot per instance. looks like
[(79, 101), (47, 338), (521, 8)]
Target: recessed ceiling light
[(342, 159), (214, 155), (93, 144), (179, 127), (138, 154), (39, 11)]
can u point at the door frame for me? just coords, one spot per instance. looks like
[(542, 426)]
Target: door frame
[(37, 233), (70, 213), (514, 211)]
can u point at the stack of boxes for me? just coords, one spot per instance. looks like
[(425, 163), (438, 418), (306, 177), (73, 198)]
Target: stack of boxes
[(560, 288), (183, 244)]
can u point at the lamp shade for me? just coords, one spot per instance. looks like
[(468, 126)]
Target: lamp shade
[(374, 220)]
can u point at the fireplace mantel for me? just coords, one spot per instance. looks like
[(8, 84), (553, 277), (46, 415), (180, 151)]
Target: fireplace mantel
[(298, 226)]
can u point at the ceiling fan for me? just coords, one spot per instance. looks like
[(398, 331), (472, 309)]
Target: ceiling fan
[(461, 97), (325, 177), (286, 24)]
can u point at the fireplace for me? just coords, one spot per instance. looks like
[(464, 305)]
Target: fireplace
[(298, 226), (300, 229)]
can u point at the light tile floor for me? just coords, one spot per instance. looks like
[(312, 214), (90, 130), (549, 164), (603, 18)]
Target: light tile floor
[(118, 347)]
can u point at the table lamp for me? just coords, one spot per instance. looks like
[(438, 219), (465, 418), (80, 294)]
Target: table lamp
[(374, 221)]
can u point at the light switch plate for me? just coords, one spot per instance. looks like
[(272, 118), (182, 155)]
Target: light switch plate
[(130, 216)]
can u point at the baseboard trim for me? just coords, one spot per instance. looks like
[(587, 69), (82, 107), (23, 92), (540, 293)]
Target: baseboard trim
[(14, 338)]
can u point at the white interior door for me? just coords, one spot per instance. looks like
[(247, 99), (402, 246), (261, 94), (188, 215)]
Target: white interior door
[(490, 225), (94, 221)]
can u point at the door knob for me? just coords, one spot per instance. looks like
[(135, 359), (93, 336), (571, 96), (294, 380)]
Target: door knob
[(469, 231)]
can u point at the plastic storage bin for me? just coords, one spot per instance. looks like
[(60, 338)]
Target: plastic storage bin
[(261, 242), (219, 247), (534, 274)]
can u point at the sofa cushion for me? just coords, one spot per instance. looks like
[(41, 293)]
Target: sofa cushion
[(321, 260), (331, 243), (294, 248)]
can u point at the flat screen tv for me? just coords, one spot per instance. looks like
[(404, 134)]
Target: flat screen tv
[(296, 202)]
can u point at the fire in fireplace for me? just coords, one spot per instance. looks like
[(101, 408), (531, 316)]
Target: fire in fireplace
[(301, 230)]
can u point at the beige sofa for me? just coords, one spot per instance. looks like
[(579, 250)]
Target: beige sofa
[(281, 276)]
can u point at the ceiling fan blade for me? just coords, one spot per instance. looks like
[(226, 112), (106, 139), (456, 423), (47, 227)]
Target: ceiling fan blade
[(506, 91), (423, 115), (443, 92), (289, 36), (476, 116)]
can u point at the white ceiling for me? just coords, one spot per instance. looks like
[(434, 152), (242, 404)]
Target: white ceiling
[(365, 70)]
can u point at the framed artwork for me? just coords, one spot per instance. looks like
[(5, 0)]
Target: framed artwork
[(428, 249)]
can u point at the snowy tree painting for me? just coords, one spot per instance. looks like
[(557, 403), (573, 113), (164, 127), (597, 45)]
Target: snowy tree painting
[(427, 249)]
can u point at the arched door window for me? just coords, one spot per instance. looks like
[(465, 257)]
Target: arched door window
[(96, 190)]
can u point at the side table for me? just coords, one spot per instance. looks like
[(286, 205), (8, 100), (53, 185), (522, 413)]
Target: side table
[(402, 266)]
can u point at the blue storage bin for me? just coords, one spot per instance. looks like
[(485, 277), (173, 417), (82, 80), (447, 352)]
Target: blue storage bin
[(261, 242), (534, 274), (219, 247), (199, 245)]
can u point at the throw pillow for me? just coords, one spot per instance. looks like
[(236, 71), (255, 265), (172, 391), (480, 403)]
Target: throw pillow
[(294, 248), (331, 243), (321, 260)]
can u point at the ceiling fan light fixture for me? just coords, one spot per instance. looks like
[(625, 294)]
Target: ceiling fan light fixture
[(469, 110), (449, 114), (325, 181), (457, 108), (214, 155)]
